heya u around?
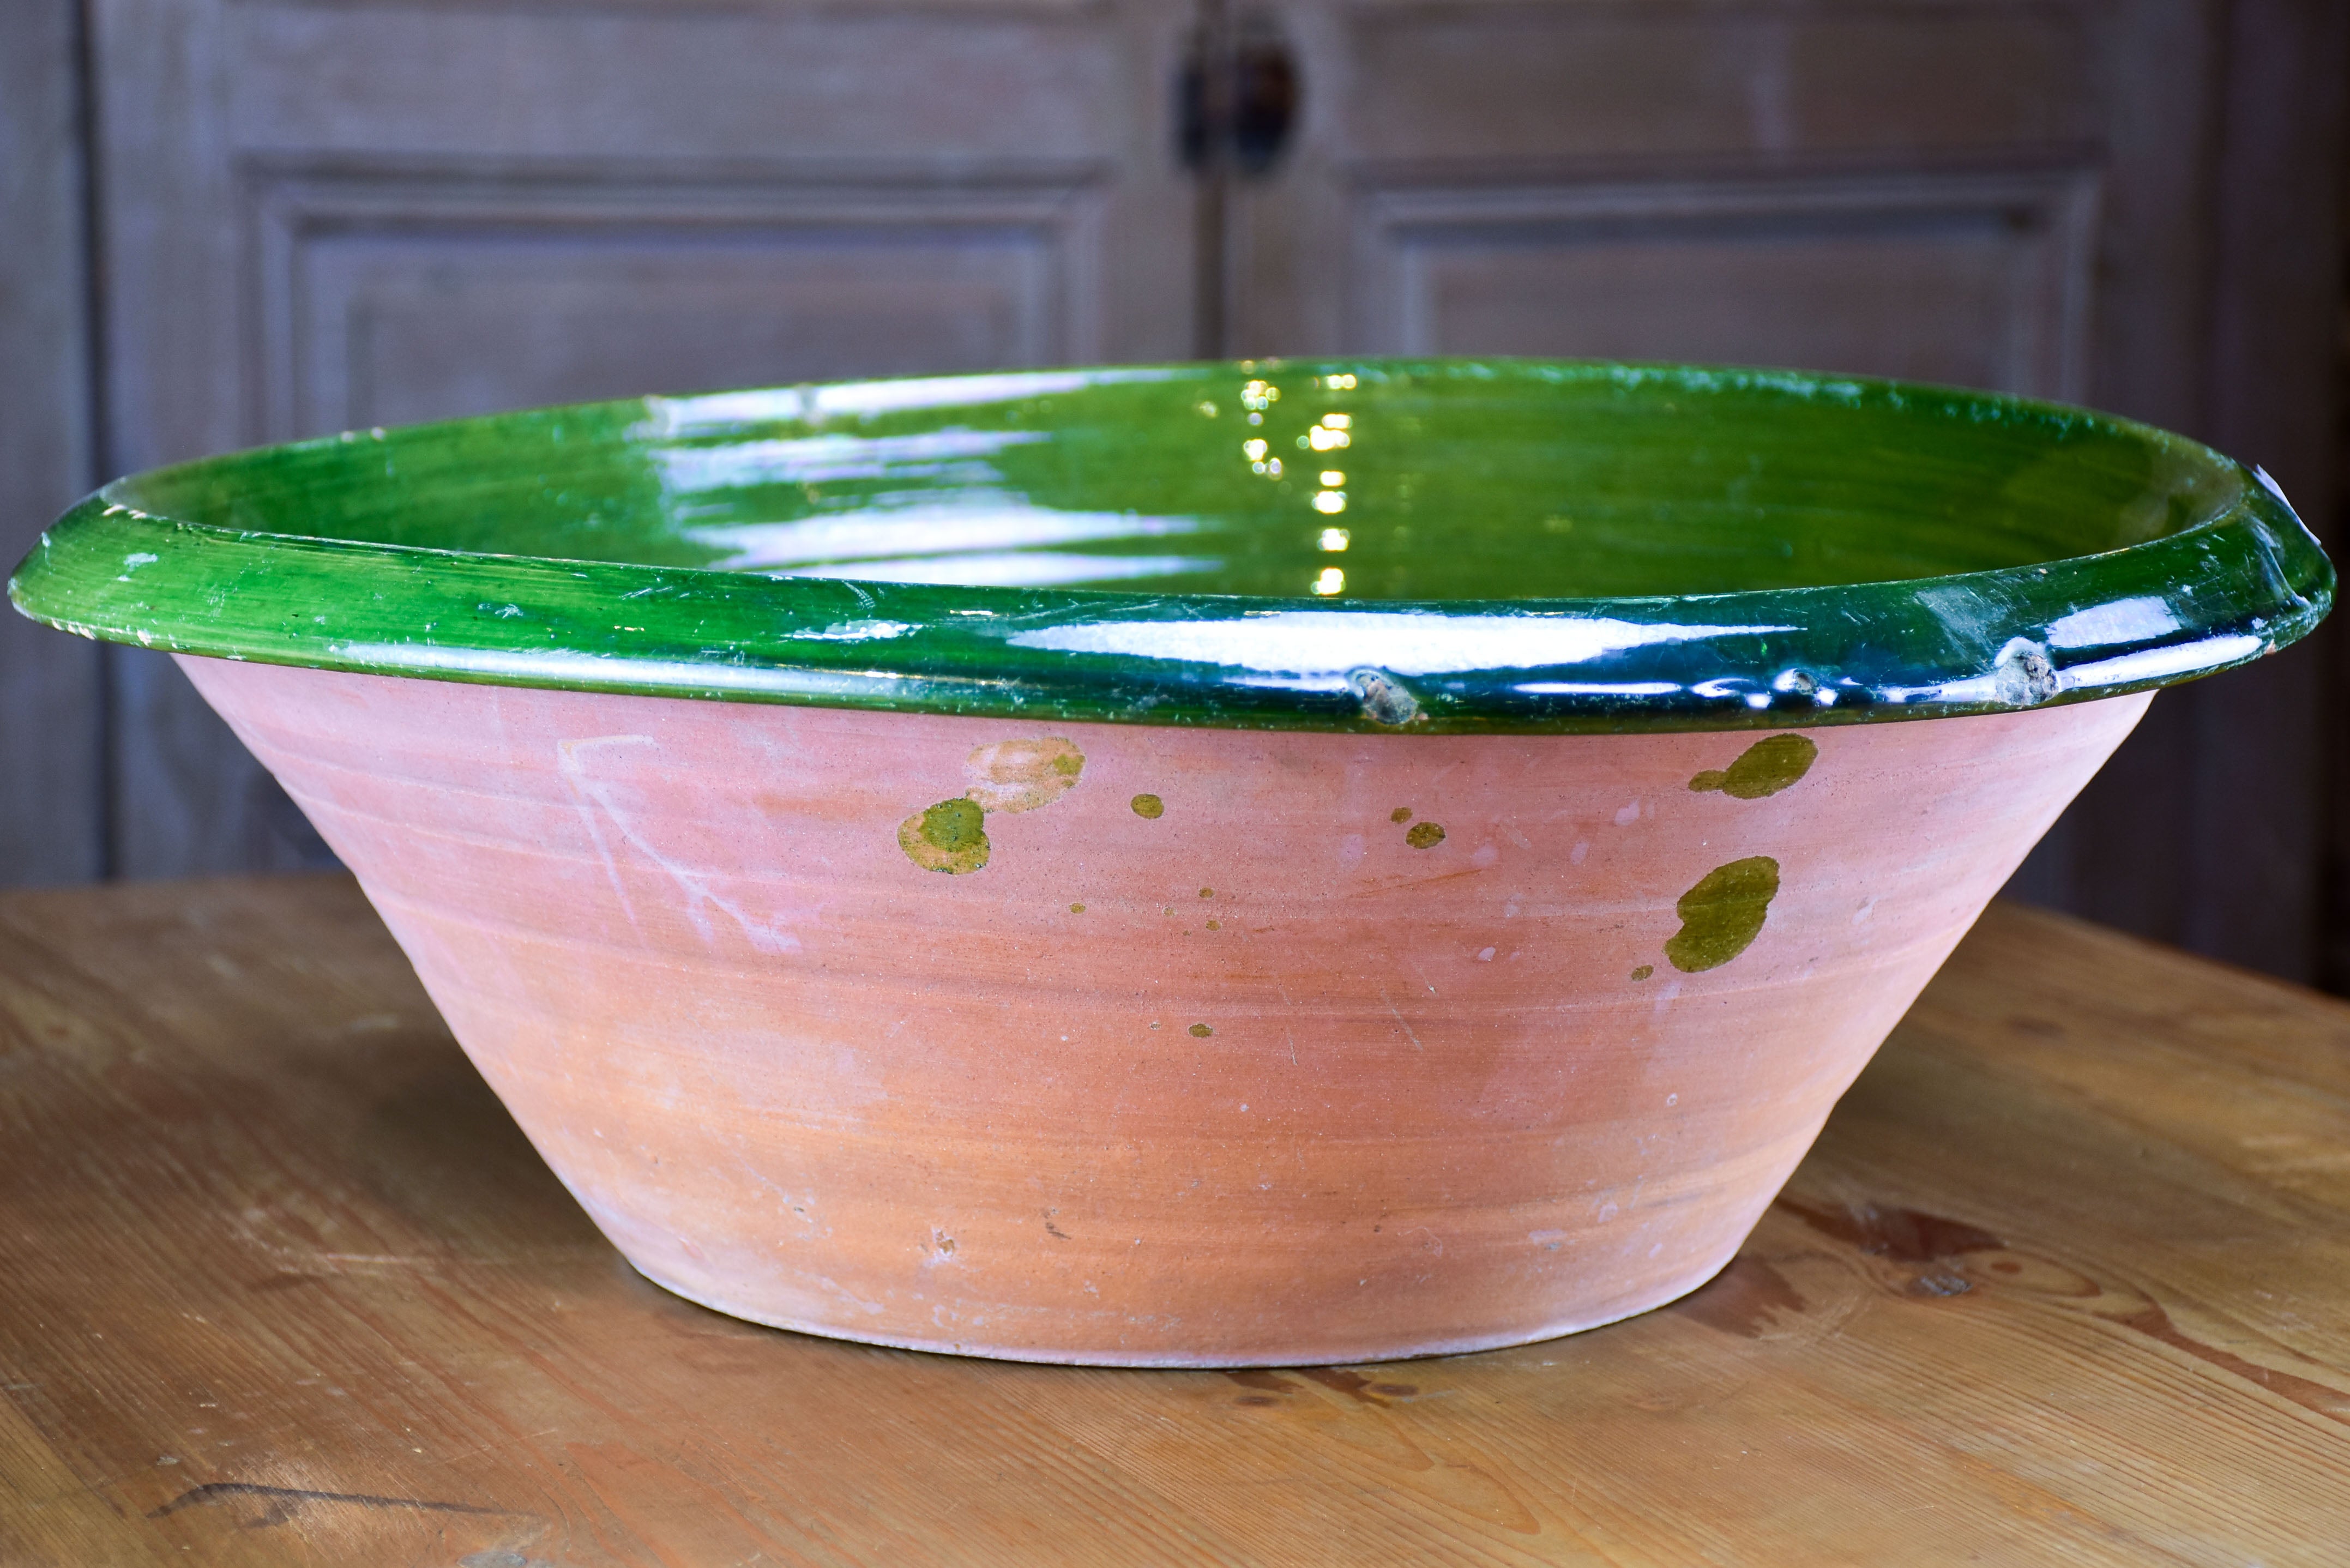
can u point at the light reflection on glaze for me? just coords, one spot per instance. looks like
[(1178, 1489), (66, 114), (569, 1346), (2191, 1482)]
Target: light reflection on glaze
[(1597, 688), (1008, 569), (2103, 626), (687, 471), (2160, 663), (725, 413), (1403, 642), (933, 531)]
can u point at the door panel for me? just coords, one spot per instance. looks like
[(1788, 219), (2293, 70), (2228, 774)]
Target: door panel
[(914, 82), (327, 215), (1709, 125), (1962, 279), (394, 296), (1492, 80)]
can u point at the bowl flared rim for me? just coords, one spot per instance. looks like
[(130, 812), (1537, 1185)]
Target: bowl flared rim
[(2236, 585)]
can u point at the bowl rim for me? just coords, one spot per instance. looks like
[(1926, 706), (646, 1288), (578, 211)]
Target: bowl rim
[(2243, 583)]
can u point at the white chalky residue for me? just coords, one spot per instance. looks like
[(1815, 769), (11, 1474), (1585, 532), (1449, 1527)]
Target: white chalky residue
[(696, 888)]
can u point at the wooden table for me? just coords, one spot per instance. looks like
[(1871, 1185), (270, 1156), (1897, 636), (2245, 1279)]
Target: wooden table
[(2067, 1279)]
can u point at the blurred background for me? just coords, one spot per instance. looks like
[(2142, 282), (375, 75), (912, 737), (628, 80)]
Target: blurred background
[(231, 222)]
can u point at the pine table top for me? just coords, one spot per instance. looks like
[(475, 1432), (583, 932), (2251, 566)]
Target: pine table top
[(2066, 1280)]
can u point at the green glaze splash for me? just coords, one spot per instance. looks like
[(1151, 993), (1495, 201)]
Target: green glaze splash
[(1202, 1031), (1149, 805), (1424, 835), (1644, 971), (1721, 916), (1006, 776), (1766, 767), (951, 836), (1400, 814)]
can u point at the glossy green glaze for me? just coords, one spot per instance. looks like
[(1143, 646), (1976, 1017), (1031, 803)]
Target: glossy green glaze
[(1437, 545)]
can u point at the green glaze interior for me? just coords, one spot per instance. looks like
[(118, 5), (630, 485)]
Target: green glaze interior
[(1380, 543)]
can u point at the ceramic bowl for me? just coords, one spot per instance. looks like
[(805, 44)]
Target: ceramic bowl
[(1258, 863)]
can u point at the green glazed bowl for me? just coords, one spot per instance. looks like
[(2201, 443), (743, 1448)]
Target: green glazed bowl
[(1212, 866), (1455, 546)]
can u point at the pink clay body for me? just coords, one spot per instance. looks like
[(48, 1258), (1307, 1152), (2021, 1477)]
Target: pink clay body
[(1266, 1078)]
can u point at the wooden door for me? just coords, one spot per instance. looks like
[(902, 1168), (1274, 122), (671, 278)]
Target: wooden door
[(325, 215), (2019, 196)]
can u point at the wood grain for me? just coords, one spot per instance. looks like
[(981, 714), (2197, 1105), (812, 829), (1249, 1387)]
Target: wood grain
[(2067, 1279)]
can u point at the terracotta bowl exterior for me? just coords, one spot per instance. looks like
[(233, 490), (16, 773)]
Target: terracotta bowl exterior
[(1213, 864), (1265, 1072)]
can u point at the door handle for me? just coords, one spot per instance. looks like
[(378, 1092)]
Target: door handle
[(1238, 93)]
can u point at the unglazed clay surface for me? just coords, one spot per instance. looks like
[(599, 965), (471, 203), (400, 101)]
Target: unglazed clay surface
[(1153, 1046)]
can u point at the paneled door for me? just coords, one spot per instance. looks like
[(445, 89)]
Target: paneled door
[(328, 214), (1989, 193)]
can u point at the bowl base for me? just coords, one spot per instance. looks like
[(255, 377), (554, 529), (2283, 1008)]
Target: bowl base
[(1361, 1355)]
